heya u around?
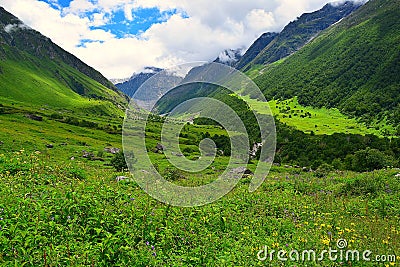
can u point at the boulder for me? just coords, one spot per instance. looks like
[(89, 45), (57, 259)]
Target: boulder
[(49, 145), (87, 155), (112, 150), (34, 117), (243, 170), (121, 178)]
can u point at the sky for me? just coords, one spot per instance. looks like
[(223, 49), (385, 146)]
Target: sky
[(120, 37)]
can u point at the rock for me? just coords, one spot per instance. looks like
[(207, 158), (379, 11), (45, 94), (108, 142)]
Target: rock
[(277, 164), (397, 175), (121, 178), (305, 169), (179, 154), (248, 172), (243, 170), (72, 158), (253, 151), (87, 155), (160, 146), (112, 150), (1, 143), (34, 117), (49, 145)]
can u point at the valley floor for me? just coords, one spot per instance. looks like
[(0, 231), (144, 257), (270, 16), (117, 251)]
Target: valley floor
[(55, 211)]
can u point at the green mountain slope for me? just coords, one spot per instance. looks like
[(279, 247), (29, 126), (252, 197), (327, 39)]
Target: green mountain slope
[(36, 72), (353, 66), (296, 34)]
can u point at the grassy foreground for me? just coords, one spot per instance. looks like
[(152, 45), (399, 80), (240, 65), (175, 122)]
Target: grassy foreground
[(55, 211)]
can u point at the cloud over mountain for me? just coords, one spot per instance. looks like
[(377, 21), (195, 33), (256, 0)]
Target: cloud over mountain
[(119, 37)]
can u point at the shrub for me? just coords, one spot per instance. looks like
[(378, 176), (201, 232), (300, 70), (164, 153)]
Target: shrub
[(118, 161), (370, 159)]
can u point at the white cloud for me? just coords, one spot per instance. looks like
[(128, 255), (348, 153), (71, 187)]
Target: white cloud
[(206, 28)]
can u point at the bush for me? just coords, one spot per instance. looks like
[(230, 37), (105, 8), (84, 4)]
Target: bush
[(118, 162), (370, 159)]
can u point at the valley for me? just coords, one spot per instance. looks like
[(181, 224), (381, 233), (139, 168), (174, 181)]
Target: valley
[(71, 196)]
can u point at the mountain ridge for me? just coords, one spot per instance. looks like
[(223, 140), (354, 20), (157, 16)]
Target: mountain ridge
[(36, 72), (353, 66), (296, 34)]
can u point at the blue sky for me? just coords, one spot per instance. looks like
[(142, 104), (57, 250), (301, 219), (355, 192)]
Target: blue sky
[(119, 24), (120, 37)]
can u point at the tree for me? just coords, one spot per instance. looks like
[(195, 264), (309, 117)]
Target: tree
[(370, 159)]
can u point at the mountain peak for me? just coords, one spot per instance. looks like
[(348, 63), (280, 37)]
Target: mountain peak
[(230, 56)]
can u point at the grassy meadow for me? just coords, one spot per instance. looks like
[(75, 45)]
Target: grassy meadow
[(317, 120), (60, 209)]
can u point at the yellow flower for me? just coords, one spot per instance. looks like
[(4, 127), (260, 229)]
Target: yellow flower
[(352, 224), (275, 245), (326, 241), (322, 225)]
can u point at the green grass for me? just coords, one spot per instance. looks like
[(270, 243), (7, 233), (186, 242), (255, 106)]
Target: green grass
[(74, 214), (41, 83), (57, 211), (318, 120)]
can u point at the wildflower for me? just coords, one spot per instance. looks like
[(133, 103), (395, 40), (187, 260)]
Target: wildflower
[(326, 241), (330, 233), (154, 254), (132, 198), (152, 247), (147, 243), (1, 219)]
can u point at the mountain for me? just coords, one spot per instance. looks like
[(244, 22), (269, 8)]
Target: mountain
[(295, 35), (251, 53), (229, 56), (36, 72), (119, 80), (354, 66), (130, 86)]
